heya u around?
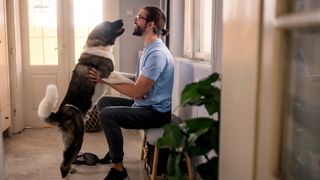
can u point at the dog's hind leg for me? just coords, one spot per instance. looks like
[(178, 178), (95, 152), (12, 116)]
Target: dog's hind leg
[(69, 156), (66, 178), (72, 130)]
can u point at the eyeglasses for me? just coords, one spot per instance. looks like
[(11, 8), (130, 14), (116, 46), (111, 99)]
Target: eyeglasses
[(140, 17)]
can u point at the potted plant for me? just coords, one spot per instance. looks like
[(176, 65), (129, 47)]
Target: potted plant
[(196, 136)]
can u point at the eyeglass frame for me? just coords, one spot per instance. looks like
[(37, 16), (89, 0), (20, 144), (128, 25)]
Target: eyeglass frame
[(140, 17)]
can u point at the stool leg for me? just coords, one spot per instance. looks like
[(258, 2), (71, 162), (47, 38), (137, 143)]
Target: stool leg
[(155, 163), (189, 166), (143, 147)]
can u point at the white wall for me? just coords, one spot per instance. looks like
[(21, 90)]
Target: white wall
[(176, 27), (187, 71)]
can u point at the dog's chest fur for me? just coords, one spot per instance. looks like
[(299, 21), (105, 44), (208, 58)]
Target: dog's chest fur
[(81, 89)]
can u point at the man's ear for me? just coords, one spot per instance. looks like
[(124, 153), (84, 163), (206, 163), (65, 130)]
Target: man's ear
[(150, 24)]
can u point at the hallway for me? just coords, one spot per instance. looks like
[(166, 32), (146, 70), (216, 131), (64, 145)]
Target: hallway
[(37, 153)]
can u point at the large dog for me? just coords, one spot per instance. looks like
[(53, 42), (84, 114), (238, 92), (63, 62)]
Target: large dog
[(82, 92)]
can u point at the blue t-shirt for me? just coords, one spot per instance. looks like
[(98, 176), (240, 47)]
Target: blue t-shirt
[(156, 63)]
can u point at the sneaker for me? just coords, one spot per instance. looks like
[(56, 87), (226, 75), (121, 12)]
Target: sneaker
[(116, 175)]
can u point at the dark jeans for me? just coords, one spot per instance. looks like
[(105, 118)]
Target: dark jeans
[(116, 113)]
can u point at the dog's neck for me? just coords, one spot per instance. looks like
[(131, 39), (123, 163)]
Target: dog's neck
[(102, 51)]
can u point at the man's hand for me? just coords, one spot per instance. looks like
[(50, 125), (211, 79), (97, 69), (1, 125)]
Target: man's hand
[(94, 76)]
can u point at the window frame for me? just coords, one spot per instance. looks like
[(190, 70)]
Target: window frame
[(191, 45), (198, 54)]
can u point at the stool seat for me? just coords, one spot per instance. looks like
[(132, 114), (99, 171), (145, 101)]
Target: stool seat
[(153, 134)]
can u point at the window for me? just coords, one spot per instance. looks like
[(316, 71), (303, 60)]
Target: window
[(43, 28), (198, 29), (300, 129), (87, 14), (43, 33)]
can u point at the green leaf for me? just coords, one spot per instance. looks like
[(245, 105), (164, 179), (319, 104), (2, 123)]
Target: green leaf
[(216, 94), (202, 145), (204, 89), (172, 137), (203, 92), (213, 77), (196, 136), (214, 138), (203, 133), (189, 95), (193, 137), (211, 108), (196, 124)]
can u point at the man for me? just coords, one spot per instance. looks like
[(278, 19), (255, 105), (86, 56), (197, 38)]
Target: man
[(150, 106)]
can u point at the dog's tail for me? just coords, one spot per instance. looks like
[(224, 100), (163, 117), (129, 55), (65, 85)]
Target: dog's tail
[(47, 104)]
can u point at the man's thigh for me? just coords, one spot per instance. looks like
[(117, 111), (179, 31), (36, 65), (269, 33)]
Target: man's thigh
[(133, 117), (107, 101)]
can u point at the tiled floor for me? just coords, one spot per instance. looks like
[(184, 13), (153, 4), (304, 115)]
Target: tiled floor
[(36, 154)]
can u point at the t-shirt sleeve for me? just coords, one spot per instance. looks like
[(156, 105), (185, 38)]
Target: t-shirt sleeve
[(154, 65)]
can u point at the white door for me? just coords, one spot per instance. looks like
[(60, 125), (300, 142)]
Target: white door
[(52, 41)]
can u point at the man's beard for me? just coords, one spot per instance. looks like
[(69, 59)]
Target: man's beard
[(138, 31)]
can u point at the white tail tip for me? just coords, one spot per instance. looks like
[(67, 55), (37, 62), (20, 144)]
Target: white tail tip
[(48, 102)]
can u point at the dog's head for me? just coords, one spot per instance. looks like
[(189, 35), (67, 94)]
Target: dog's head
[(105, 33)]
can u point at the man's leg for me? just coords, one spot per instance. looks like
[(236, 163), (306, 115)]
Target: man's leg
[(107, 101), (115, 117)]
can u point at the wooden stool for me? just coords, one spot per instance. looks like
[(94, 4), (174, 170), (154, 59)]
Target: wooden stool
[(151, 136)]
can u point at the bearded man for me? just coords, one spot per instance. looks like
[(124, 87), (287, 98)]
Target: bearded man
[(150, 103)]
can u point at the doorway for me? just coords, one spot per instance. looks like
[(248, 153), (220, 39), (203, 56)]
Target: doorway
[(53, 35)]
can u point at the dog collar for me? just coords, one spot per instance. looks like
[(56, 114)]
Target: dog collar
[(102, 51)]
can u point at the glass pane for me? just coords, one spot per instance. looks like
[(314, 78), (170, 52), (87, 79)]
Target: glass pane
[(87, 14), (43, 40), (188, 27), (304, 5), (205, 25), (302, 142)]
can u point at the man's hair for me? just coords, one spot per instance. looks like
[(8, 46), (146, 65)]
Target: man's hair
[(157, 16)]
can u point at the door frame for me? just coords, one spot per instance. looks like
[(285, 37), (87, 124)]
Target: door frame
[(272, 85), (15, 64), (111, 12), (57, 74), (1, 138)]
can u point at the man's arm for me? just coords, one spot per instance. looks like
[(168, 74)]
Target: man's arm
[(136, 90), (128, 75)]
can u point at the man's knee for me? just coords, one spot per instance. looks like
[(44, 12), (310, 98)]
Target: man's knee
[(101, 103)]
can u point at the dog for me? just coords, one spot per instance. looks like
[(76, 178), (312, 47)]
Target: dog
[(82, 93)]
